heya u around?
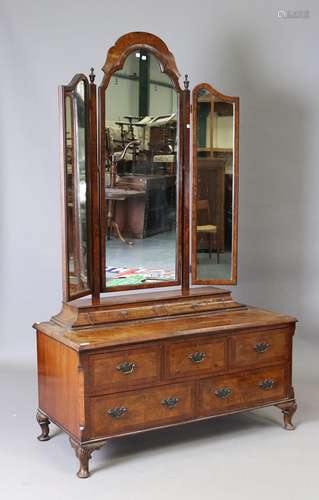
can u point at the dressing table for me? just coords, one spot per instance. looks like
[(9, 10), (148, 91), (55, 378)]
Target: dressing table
[(145, 338)]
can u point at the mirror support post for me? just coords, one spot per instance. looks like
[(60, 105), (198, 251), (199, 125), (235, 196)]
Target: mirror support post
[(94, 193), (65, 267), (185, 185)]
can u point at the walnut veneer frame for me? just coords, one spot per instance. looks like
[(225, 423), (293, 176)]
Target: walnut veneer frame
[(66, 91), (234, 249), (115, 60)]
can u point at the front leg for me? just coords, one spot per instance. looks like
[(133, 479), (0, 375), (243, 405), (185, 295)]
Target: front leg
[(44, 422), (84, 453), (288, 409)]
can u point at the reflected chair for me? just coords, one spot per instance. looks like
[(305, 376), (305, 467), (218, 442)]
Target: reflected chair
[(208, 229)]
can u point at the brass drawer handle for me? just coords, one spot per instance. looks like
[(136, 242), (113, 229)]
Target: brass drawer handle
[(170, 402), (197, 357), (267, 384), (126, 368), (117, 412), (262, 347), (223, 392)]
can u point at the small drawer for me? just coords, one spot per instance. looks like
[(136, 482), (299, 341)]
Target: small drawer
[(191, 358), (129, 411), (115, 371), (260, 348), (220, 394)]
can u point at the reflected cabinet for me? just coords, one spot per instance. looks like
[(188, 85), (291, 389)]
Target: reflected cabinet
[(149, 171), (215, 186)]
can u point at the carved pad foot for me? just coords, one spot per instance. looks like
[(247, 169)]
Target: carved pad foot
[(84, 453), (288, 410), (44, 422)]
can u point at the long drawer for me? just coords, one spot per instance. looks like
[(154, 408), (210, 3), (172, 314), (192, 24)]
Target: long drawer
[(128, 411), (220, 394)]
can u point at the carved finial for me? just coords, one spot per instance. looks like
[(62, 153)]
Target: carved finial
[(92, 75), (186, 82)]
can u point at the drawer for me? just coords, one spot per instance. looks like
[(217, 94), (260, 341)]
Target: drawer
[(191, 358), (220, 394), (115, 371), (260, 347), (129, 411)]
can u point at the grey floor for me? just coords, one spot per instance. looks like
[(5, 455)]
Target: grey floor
[(245, 456), (208, 268), (154, 251), (158, 251)]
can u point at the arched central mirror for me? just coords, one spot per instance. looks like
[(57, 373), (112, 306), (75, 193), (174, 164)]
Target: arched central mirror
[(140, 161)]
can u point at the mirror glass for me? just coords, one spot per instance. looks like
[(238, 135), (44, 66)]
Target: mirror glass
[(213, 225), (77, 239), (141, 172)]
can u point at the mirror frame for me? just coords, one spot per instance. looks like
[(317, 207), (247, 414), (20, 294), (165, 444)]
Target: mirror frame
[(64, 92), (115, 60), (234, 251)]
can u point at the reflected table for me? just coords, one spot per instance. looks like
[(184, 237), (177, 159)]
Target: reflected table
[(113, 195), (155, 211)]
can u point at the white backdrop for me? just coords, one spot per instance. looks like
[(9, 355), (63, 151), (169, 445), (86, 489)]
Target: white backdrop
[(241, 48)]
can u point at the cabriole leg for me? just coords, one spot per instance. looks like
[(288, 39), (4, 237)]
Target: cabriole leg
[(288, 409), (84, 453), (44, 422)]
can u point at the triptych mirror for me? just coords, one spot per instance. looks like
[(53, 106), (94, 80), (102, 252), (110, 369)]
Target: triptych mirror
[(75, 116), (137, 212), (215, 186)]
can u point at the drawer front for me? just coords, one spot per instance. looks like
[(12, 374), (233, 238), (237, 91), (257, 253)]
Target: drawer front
[(220, 394), (191, 358), (122, 370), (129, 411), (260, 347)]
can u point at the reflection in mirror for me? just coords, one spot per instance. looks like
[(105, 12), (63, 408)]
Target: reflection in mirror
[(141, 113), (214, 157), (77, 240)]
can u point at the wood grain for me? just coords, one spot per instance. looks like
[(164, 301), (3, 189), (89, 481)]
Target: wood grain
[(276, 342), (72, 316), (60, 384), (180, 362), (135, 332), (105, 375), (144, 409), (245, 389)]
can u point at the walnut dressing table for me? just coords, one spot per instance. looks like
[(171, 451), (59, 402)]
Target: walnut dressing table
[(145, 339)]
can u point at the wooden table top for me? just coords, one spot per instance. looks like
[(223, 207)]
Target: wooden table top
[(121, 193), (133, 332)]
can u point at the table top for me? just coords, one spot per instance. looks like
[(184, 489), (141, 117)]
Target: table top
[(159, 329), (121, 193)]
